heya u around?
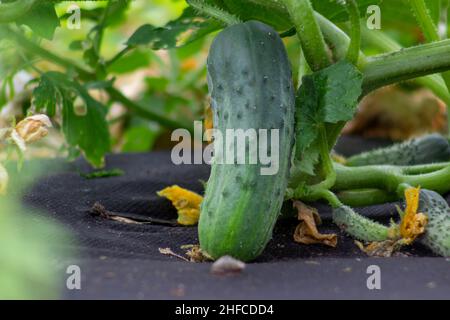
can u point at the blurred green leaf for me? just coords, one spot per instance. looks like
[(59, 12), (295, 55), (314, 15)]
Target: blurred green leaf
[(89, 131), (157, 84), (46, 96), (139, 139), (335, 11), (187, 28), (41, 19), (130, 62)]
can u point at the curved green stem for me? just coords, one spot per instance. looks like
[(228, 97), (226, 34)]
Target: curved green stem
[(389, 178), (338, 41), (382, 42), (308, 31), (332, 199), (423, 17), (406, 64), (430, 31), (11, 11), (315, 192), (365, 197), (355, 42)]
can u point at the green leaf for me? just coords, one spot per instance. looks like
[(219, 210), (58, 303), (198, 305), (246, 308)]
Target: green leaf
[(88, 132), (333, 10), (102, 174), (130, 62), (139, 139), (41, 19), (46, 96), (186, 29), (325, 97)]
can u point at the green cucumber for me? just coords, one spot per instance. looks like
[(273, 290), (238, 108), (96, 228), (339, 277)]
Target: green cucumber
[(250, 83), (358, 226), (427, 149), (437, 230)]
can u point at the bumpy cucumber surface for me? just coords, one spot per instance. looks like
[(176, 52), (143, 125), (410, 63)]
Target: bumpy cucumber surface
[(437, 231), (250, 83), (427, 149), (359, 227)]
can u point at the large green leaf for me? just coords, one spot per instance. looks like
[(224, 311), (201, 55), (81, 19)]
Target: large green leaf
[(89, 131), (333, 10), (187, 28), (41, 19), (46, 96), (325, 97), (273, 12)]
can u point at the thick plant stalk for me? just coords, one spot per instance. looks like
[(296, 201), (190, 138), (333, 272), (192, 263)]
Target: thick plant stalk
[(409, 63), (423, 17), (386, 44), (365, 197), (308, 31), (389, 178), (355, 42), (429, 29)]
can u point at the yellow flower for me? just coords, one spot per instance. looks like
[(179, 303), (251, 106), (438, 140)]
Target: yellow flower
[(186, 202), (413, 223)]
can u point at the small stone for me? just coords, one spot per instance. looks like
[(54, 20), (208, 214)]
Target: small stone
[(227, 265)]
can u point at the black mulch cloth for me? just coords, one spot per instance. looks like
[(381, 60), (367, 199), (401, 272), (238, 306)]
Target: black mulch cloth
[(121, 260)]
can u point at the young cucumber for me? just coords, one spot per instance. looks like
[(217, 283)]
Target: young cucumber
[(250, 83), (423, 150), (437, 231)]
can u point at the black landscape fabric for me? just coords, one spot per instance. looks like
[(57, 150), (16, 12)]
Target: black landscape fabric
[(120, 260)]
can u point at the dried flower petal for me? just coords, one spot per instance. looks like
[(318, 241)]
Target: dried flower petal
[(186, 202), (381, 248), (33, 128), (306, 232), (413, 223)]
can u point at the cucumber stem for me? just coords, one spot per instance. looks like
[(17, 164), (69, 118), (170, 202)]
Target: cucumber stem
[(434, 82), (409, 63), (355, 42), (308, 31), (388, 177), (423, 17), (365, 197), (214, 12), (429, 29)]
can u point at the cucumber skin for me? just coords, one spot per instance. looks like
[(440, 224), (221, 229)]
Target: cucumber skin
[(437, 230), (358, 226), (250, 83), (427, 149)]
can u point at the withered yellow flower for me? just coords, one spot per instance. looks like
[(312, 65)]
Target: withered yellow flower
[(186, 202), (413, 223), (33, 128)]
